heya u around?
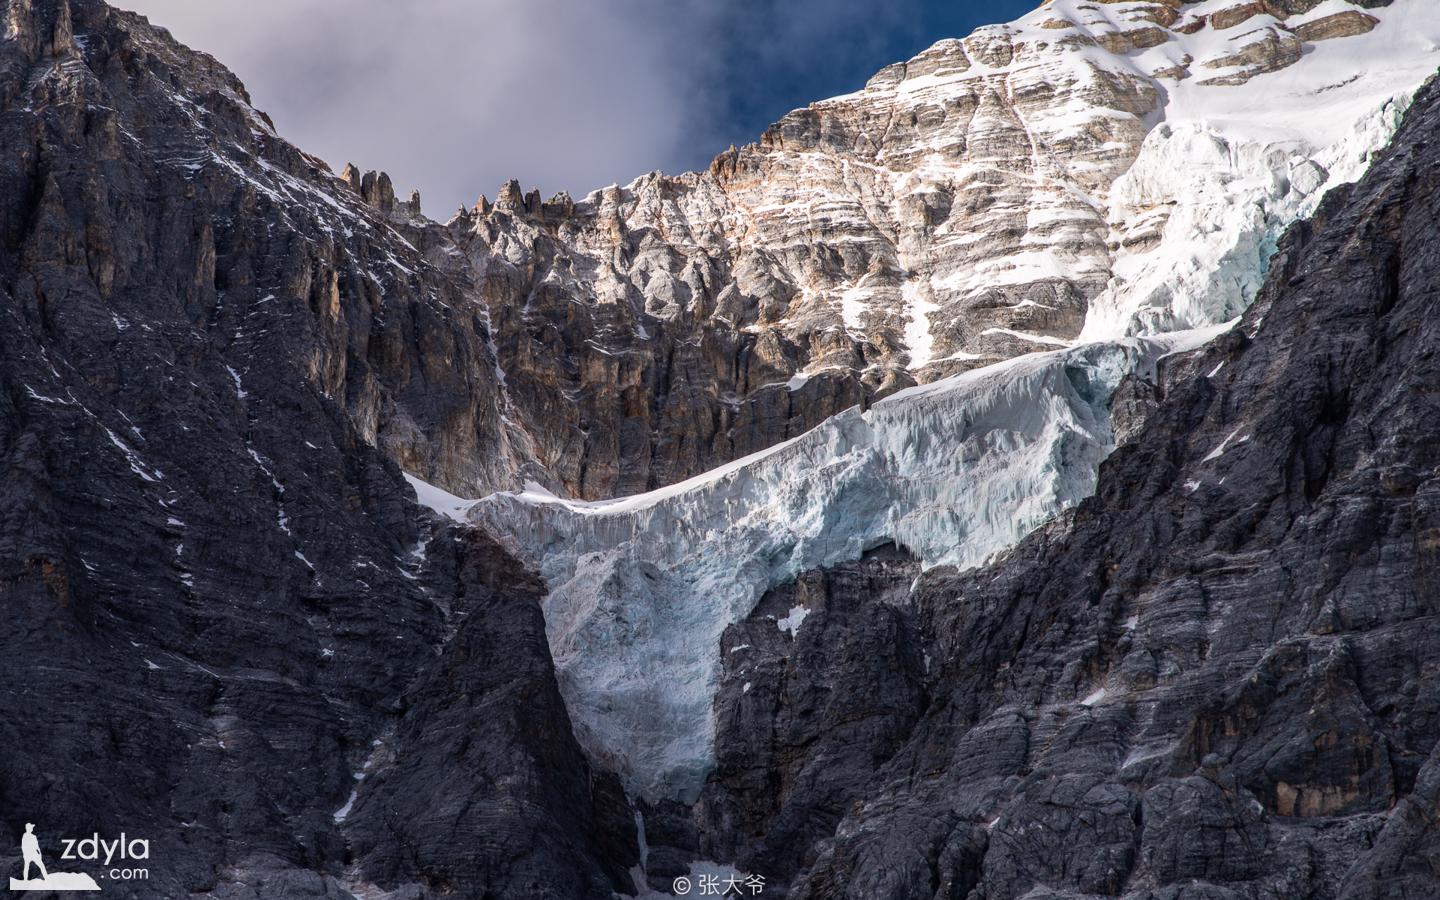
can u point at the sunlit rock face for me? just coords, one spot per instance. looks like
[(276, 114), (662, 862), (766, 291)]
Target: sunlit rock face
[(1115, 169), (967, 205)]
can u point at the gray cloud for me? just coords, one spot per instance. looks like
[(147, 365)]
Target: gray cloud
[(454, 96)]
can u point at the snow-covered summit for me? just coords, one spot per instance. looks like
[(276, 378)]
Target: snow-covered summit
[(977, 201), (1116, 167), (1098, 177)]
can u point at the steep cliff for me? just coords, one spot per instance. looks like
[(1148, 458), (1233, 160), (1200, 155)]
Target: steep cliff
[(1214, 679), (219, 599)]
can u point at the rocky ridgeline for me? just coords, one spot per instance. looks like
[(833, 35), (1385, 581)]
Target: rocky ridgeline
[(954, 212), (375, 188)]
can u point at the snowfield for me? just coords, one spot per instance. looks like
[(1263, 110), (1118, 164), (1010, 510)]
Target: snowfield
[(642, 587), (1237, 164)]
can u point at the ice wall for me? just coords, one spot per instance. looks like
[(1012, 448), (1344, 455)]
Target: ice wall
[(641, 588)]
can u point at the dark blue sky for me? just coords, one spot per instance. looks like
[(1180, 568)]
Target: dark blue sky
[(782, 55), (453, 96)]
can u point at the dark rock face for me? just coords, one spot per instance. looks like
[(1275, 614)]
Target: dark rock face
[(1215, 679), (229, 630), (482, 787), (140, 185), (217, 592), (806, 715)]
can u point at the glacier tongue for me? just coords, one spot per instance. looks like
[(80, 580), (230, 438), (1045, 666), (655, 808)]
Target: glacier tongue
[(641, 588)]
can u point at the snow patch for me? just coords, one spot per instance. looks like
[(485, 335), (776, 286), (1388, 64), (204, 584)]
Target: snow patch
[(1224, 445), (437, 500), (918, 336), (137, 465), (791, 623), (239, 390), (1026, 336)]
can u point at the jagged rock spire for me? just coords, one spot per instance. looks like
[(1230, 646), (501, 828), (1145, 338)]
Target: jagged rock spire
[(377, 190), (351, 176)]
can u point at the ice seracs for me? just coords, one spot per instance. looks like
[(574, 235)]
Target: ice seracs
[(642, 587), (1227, 167)]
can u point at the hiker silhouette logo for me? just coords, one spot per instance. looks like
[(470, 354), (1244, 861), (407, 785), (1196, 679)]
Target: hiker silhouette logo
[(33, 859)]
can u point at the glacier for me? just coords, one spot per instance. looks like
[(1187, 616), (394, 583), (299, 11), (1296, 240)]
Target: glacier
[(958, 470), (1229, 167), (641, 588)]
